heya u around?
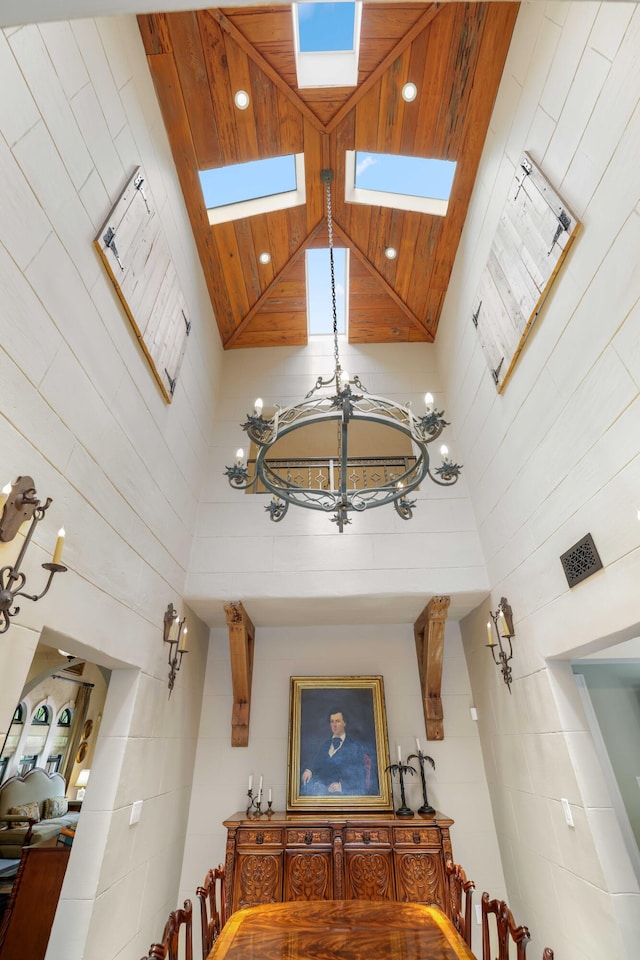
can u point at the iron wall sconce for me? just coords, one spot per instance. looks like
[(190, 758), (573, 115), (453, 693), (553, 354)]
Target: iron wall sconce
[(19, 503), (503, 627), (175, 634)]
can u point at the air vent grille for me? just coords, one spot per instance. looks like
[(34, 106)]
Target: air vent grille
[(581, 560)]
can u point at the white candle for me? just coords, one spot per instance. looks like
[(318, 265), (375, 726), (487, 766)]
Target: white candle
[(239, 456), (399, 754), (4, 496), (489, 634), (269, 794), (428, 399), (260, 789), (417, 745), (250, 781), (183, 641), (258, 406), (503, 624), (57, 553)]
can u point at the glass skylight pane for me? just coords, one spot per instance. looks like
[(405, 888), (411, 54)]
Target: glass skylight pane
[(409, 176), (326, 27), (248, 181), (319, 308)]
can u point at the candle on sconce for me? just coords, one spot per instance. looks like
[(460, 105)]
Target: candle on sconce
[(418, 745), (57, 553), (4, 495), (503, 624), (489, 634), (399, 754), (250, 782), (183, 641)]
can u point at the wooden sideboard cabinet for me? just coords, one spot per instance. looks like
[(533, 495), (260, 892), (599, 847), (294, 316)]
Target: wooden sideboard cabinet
[(348, 857)]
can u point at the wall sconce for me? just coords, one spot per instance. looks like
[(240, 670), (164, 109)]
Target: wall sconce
[(19, 503), (81, 783), (175, 634), (503, 626)]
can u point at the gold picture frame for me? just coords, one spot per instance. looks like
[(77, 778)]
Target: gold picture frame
[(351, 775)]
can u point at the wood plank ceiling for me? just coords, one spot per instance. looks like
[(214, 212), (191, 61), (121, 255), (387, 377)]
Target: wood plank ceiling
[(453, 52)]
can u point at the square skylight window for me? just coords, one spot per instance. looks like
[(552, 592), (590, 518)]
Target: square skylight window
[(260, 186), (326, 26), (319, 307), (401, 182), (327, 43)]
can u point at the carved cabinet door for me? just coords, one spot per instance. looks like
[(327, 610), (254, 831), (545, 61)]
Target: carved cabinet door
[(420, 879), (308, 875), (369, 875), (258, 879)]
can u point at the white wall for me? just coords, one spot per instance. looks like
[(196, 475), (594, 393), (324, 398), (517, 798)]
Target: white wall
[(81, 414), (457, 787), (382, 567), (554, 457)]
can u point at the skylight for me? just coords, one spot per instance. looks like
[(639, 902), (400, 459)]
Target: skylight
[(260, 186), (326, 26), (327, 43), (404, 183), (319, 307)]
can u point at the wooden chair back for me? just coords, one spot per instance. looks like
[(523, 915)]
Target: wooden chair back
[(169, 948), (213, 913), (506, 929), (460, 900)]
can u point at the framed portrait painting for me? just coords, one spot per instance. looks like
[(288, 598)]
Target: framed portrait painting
[(338, 747)]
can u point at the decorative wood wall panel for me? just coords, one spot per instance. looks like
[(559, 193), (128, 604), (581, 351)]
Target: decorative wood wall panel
[(136, 254), (532, 239)]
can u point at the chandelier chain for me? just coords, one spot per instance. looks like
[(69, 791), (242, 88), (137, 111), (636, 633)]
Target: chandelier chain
[(334, 308)]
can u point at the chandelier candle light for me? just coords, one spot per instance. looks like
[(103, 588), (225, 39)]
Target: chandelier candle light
[(344, 400)]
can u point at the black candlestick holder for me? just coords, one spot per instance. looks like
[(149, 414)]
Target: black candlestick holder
[(254, 808), (402, 768), (421, 757)]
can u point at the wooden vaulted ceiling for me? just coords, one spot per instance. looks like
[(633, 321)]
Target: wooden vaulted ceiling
[(453, 52)]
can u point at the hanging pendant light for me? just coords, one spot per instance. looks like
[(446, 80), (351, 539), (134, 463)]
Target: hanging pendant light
[(344, 484)]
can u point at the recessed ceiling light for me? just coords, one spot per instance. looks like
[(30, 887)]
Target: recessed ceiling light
[(241, 99), (391, 253), (409, 92), (265, 257)]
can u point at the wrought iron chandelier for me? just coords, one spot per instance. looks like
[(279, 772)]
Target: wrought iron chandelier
[(344, 484)]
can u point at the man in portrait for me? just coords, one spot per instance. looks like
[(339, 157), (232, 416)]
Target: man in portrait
[(337, 767)]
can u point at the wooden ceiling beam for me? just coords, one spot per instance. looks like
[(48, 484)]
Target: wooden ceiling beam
[(241, 643), (384, 65), (266, 67), (388, 289), (429, 635), (265, 295)]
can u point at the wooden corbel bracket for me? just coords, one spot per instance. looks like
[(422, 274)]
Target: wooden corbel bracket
[(241, 642), (429, 633)]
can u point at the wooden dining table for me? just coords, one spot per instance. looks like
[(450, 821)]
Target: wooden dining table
[(340, 930)]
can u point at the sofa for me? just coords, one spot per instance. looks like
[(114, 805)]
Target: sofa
[(46, 791)]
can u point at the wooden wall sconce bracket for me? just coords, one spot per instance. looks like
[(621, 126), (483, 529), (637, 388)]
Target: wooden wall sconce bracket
[(241, 643), (429, 635)]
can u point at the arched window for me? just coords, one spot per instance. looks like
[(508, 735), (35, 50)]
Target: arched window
[(42, 717), (64, 720), (18, 716)]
